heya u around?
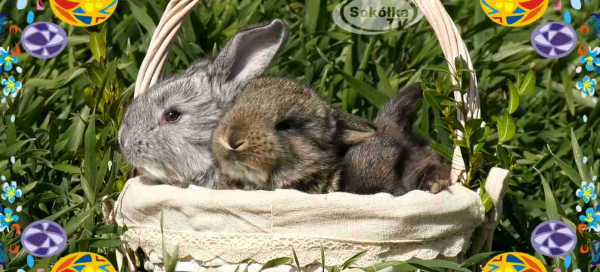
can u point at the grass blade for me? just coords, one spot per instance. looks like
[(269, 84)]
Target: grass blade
[(276, 262), (583, 172), (353, 260), (571, 173), (296, 259), (376, 98), (551, 208)]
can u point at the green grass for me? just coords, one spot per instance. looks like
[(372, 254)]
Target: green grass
[(70, 109)]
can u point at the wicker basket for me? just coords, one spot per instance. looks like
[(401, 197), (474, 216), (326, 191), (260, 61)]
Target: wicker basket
[(453, 47)]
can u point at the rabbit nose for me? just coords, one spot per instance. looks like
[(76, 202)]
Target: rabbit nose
[(234, 143), (237, 144), (236, 139)]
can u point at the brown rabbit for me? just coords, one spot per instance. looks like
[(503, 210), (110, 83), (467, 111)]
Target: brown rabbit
[(395, 160), (280, 134)]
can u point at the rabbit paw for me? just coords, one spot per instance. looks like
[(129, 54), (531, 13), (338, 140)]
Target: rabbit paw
[(438, 185)]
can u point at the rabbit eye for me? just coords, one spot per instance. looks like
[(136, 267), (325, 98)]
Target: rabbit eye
[(172, 116), (288, 124)]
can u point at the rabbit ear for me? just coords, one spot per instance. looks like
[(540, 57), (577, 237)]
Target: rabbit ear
[(250, 51), (352, 129)]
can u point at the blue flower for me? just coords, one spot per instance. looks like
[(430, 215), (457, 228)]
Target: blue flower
[(586, 86), (7, 60), (11, 192), (11, 86), (591, 60), (587, 192), (8, 218)]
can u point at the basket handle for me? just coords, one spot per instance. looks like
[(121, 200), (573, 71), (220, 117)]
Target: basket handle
[(447, 34), (161, 42)]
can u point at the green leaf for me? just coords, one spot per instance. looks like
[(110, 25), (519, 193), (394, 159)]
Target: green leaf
[(446, 151), (249, 9), (104, 31), (353, 260), (296, 259), (571, 173), (528, 84), (453, 122), (142, 17), (384, 81), (67, 168), (371, 94), (551, 208), (513, 104), (276, 262), (568, 90), (75, 222), (429, 96), (75, 133), (503, 158), (506, 128), (13, 149), (95, 75), (583, 172), (312, 15), (102, 172), (487, 202), (477, 258), (97, 46), (90, 170), (322, 258)]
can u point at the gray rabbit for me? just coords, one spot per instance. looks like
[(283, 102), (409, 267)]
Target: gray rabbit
[(280, 134), (166, 131), (395, 160)]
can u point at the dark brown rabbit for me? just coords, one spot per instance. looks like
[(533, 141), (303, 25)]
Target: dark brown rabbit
[(395, 160), (280, 134)]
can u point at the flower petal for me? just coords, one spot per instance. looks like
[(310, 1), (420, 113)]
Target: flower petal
[(588, 211), (579, 85), (19, 193), (589, 66)]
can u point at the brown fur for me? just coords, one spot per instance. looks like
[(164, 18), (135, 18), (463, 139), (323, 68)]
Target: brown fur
[(280, 134), (395, 160)]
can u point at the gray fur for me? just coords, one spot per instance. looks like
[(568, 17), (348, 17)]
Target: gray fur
[(179, 153), (395, 160)]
